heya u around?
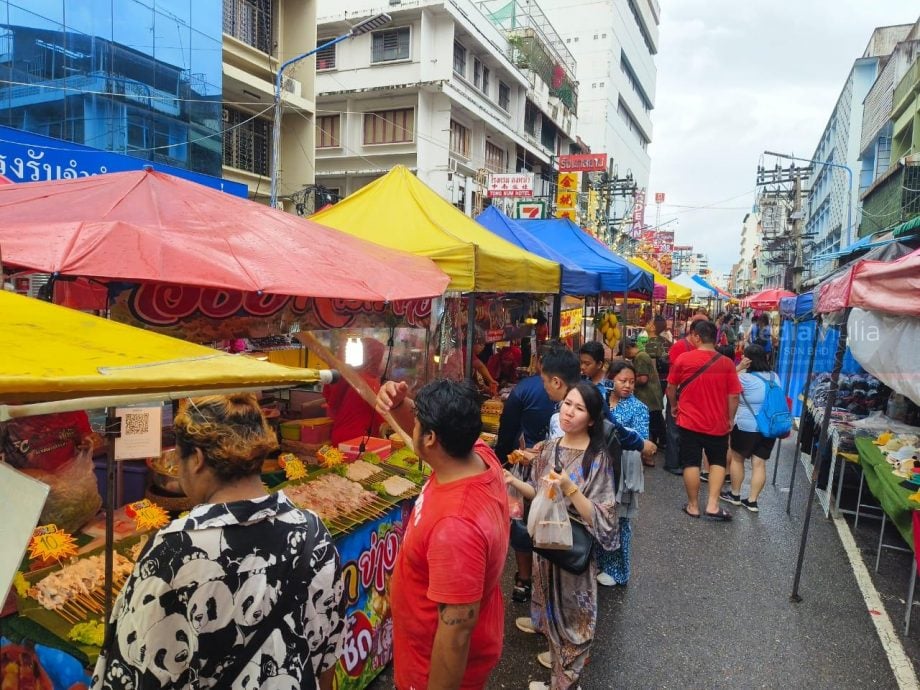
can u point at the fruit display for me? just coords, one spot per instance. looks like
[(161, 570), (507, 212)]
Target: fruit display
[(609, 326)]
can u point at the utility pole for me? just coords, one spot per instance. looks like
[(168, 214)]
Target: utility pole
[(788, 250), (798, 261)]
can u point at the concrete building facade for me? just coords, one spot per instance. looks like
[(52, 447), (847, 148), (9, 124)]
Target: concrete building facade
[(746, 273), (447, 92), (831, 200), (614, 43), (258, 36)]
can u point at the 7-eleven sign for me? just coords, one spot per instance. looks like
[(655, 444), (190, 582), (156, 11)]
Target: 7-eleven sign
[(530, 210)]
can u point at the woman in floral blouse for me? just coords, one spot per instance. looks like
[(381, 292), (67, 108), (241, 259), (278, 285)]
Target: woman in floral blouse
[(625, 409), (245, 592)]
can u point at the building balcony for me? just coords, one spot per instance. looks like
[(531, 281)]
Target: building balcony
[(906, 90), (892, 199)]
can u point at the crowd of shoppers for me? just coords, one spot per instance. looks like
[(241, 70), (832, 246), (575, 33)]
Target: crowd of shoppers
[(583, 424)]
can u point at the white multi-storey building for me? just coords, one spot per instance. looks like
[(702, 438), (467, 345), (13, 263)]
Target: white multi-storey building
[(614, 43), (443, 90), (747, 276)]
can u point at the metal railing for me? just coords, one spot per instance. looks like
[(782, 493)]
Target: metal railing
[(251, 22), (247, 145)]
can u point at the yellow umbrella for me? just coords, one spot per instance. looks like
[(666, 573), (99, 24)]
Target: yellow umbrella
[(52, 353), (400, 211), (676, 292)]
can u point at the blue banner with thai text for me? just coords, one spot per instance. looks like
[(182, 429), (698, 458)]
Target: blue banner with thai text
[(27, 157)]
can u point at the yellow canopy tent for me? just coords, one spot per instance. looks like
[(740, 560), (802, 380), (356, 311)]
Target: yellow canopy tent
[(400, 211), (676, 292), (52, 353)]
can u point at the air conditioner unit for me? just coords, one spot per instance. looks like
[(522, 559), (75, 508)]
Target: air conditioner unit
[(452, 165), (291, 86)]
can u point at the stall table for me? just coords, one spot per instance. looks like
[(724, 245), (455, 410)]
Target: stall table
[(896, 505)]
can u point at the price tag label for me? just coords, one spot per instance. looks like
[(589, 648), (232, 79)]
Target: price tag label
[(147, 515), (293, 466), (50, 543)]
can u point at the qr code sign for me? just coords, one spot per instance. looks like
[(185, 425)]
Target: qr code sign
[(136, 424)]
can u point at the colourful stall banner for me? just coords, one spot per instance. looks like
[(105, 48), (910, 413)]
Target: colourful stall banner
[(205, 315), (368, 558), (570, 322), (568, 181)]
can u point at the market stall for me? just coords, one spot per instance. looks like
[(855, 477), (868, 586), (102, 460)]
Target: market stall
[(400, 211), (249, 281), (880, 286), (674, 292)]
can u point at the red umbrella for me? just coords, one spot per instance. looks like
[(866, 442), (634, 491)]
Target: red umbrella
[(767, 300), (149, 226)]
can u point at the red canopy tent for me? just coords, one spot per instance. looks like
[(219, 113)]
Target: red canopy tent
[(149, 226), (886, 286), (768, 299)]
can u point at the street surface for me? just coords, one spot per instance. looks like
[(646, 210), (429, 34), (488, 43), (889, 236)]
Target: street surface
[(708, 603)]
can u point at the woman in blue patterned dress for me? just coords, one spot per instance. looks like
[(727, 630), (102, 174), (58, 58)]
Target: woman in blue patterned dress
[(630, 412)]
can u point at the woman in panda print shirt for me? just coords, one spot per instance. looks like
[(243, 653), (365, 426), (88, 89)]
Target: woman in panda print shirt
[(245, 592)]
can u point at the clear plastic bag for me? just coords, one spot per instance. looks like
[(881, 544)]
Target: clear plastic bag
[(74, 497), (515, 503), (549, 523)]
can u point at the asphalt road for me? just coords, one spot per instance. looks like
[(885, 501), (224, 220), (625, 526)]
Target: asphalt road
[(708, 603)]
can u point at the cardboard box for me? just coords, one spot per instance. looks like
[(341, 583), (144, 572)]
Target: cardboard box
[(381, 446)]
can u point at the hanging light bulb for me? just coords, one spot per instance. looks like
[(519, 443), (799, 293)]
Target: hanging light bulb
[(354, 352)]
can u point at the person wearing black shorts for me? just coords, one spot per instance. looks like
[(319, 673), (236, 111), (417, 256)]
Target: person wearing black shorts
[(703, 390), (746, 441)]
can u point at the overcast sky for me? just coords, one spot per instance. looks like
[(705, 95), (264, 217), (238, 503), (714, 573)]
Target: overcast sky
[(735, 79)]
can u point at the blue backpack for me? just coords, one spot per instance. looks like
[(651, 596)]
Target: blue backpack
[(774, 420)]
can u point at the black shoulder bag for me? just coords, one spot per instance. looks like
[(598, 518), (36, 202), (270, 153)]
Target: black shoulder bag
[(576, 559), (681, 387)]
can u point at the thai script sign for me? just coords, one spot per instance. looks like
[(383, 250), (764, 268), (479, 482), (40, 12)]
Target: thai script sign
[(369, 557), (583, 162), (510, 184), (205, 315), (27, 157)]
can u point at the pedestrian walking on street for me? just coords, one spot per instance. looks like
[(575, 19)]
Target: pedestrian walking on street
[(525, 417), (630, 412), (648, 391), (594, 368), (564, 604), (672, 462), (746, 441), (703, 391), (445, 594)]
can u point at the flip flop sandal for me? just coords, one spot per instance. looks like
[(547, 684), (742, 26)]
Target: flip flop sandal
[(721, 515), (693, 515)]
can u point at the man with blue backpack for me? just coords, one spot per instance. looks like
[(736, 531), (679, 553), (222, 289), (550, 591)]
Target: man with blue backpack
[(763, 416)]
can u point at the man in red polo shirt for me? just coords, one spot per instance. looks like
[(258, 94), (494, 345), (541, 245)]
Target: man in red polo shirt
[(445, 594), (703, 391)]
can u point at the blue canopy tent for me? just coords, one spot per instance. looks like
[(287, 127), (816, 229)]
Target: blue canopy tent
[(574, 279), (700, 281), (616, 274)]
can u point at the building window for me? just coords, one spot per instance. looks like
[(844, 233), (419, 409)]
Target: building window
[(250, 21), (531, 117), (640, 23), (459, 59), (634, 83), (504, 96), (631, 124), (477, 73), (459, 139), (325, 58), (389, 126), (328, 131), (485, 80), (390, 45), (246, 142), (495, 158)]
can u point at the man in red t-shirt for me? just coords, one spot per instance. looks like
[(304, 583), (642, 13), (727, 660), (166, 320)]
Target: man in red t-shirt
[(703, 391), (672, 449), (445, 594)]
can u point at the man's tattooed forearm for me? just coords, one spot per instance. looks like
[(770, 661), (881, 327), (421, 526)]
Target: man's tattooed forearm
[(456, 615)]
